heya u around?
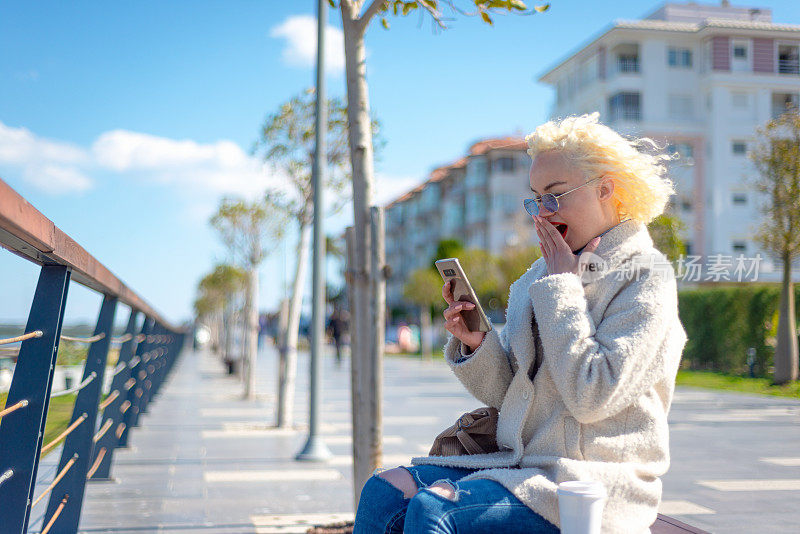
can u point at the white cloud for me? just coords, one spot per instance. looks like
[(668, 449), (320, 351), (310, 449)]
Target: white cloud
[(221, 167), (56, 179), (300, 34), (200, 170), (19, 146)]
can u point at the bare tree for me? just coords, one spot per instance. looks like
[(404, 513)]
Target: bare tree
[(218, 296), (777, 158), (287, 144), (244, 226)]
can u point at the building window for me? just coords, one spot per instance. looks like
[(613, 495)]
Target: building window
[(688, 248), (781, 102), (686, 204), (586, 72), (476, 173), (628, 63), (680, 107), (740, 100), (684, 150), (627, 57), (679, 57), (504, 164), (740, 56), (561, 91), (625, 106), (740, 198), (739, 148), (739, 246), (789, 59), (476, 208)]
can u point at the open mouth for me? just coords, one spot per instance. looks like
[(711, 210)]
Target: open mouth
[(562, 229)]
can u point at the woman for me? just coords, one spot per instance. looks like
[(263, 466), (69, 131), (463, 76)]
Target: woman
[(583, 371)]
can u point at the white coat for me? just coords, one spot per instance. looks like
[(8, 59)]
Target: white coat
[(603, 365)]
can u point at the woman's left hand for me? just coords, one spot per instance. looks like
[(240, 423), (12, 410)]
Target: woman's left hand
[(557, 254)]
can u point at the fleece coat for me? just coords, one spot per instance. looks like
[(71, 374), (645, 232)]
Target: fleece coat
[(583, 375)]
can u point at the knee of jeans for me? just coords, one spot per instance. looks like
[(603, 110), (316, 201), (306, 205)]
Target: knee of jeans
[(401, 478), (454, 492), (378, 487)]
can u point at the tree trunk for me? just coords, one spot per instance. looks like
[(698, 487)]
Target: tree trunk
[(280, 340), (251, 332), (288, 374), (786, 357), (361, 158), (227, 334)]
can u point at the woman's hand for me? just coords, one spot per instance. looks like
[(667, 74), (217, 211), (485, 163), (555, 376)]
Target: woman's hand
[(455, 322), (557, 254)]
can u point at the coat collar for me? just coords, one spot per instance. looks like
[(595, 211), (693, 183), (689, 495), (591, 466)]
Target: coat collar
[(616, 245)]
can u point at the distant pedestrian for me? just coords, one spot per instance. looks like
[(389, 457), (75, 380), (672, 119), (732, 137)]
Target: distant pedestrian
[(337, 326)]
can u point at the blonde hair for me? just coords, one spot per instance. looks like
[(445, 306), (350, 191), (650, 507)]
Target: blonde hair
[(641, 186)]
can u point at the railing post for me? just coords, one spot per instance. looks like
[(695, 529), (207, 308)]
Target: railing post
[(161, 364), (79, 443), (21, 433), (135, 392), (145, 383), (113, 412), (150, 368)]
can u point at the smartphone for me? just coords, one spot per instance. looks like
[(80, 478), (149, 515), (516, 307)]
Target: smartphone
[(462, 291)]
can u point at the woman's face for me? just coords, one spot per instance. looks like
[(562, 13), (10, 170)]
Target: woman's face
[(582, 214)]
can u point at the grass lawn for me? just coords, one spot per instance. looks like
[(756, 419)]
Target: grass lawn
[(58, 416), (761, 386)]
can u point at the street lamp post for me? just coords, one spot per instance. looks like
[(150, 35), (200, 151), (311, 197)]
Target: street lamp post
[(315, 448)]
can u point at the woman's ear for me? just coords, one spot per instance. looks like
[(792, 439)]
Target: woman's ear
[(606, 189)]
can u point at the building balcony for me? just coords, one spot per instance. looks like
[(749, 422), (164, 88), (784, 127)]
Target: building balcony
[(789, 67), (627, 65)]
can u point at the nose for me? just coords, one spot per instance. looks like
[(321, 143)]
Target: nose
[(543, 211)]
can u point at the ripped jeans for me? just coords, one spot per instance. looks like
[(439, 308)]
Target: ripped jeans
[(478, 506)]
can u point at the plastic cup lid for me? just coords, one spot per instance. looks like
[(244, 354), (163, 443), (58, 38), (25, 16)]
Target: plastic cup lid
[(588, 488)]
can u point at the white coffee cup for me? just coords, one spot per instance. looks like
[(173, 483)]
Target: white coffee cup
[(580, 506)]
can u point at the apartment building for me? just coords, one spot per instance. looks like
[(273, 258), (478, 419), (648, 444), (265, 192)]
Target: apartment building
[(477, 200), (700, 77)]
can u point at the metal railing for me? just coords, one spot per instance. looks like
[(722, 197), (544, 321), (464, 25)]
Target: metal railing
[(789, 66), (145, 358)]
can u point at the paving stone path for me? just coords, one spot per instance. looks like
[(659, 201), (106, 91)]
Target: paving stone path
[(203, 460)]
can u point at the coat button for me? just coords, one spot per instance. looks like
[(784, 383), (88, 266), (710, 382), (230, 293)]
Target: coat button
[(526, 395)]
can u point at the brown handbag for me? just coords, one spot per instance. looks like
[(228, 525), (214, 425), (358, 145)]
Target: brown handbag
[(475, 432)]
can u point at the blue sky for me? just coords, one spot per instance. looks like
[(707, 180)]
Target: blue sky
[(124, 123)]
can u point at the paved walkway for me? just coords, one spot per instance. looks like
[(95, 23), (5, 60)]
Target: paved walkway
[(205, 461)]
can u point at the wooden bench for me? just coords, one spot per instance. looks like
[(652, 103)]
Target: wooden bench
[(668, 525)]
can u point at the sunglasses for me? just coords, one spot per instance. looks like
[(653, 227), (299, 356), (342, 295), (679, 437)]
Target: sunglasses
[(549, 201)]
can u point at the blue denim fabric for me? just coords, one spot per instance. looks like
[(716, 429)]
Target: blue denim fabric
[(478, 506)]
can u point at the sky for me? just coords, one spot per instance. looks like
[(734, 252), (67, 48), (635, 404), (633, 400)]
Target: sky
[(126, 123)]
